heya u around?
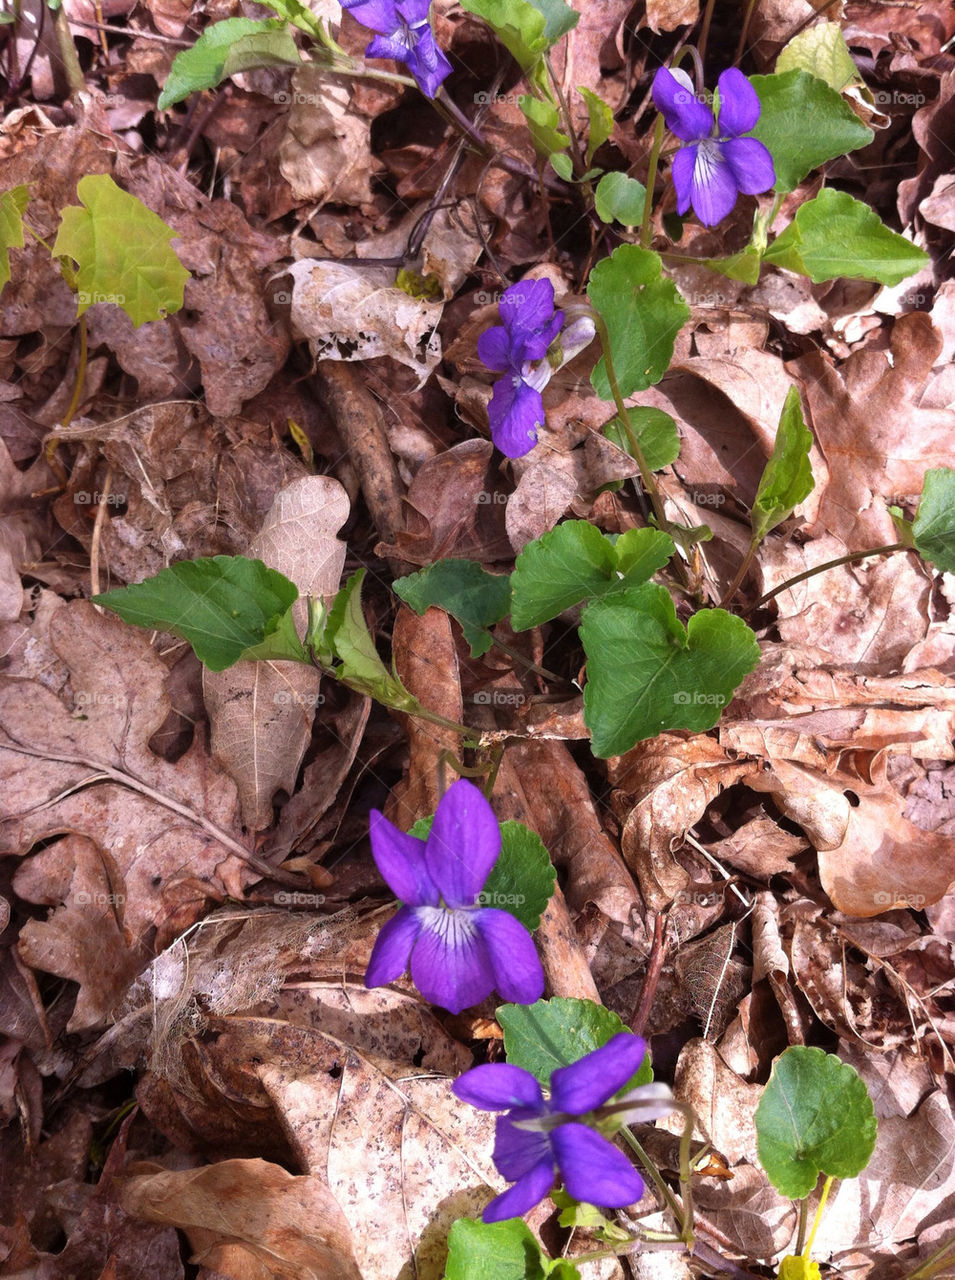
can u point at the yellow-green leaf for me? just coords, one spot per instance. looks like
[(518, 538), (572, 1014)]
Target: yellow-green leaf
[(12, 204)]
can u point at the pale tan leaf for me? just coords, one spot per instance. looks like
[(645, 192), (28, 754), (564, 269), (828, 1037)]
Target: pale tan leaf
[(261, 713), (291, 1224), (326, 151)]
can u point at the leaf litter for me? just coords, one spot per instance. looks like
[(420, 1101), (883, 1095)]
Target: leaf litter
[(187, 889)]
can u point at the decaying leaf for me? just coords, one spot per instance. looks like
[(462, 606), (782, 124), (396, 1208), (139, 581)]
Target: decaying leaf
[(261, 713)]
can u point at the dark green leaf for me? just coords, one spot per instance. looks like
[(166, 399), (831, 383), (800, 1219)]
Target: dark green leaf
[(226, 607), (619, 198), (203, 66), (934, 524), (647, 674), (787, 479), (347, 636), (464, 589), (656, 433), (554, 1033)]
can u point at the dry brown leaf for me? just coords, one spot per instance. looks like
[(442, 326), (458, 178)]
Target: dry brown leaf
[(356, 313), (871, 858), (662, 788), (261, 713), (325, 153), (291, 1225), (667, 15), (82, 763)]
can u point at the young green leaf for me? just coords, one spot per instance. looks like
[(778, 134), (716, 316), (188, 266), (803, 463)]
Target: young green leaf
[(656, 433), (464, 589), (804, 123), (822, 51), (815, 1116), (563, 165), (526, 30), (739, 266), (601, 120), (523, 879), (122, 252), (787, 479), (576, 562), (12, 204), (347, 636), (835, 236), (620, 198), (643, 312), (543, 120), (227, 607), (501, 1251), (204, 65), (575, 1213), (646, 673), (554, 1033), (934, 524)]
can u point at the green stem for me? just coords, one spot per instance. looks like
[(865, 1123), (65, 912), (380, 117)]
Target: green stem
[(741, 572), (646, 475), (80, 374), (803, 1224), (653, 1173), (830, 564), (645, 229), (686, 1176), (71, 63), (565, 113)]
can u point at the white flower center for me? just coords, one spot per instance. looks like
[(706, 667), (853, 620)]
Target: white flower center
[(453, 926), (709, 157)]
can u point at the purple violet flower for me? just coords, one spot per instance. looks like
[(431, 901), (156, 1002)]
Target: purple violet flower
[(404, 34), (591, 1167), (459, 951), (530, 325), (719, 163)]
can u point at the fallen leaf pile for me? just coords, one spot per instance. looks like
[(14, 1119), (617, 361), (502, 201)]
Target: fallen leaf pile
[(194, 1080)]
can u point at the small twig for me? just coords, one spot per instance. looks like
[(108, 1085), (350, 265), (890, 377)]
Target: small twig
[(652, 976), (97, 534), (830, 564), (132, 32)]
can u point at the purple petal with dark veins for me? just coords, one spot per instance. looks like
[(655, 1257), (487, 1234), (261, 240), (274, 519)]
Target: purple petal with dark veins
[(376, 15), (449, 962), (516, 1151), (714, 188), (515, 413), (494, 349)]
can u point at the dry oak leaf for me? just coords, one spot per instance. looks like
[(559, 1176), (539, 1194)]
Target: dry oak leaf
[(871, 858), (171, 828), (662, 788), (876, 438), (261, 713), (396, 1150), (84, 939), (249, 1219)]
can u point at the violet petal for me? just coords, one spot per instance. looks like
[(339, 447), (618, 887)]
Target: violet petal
[(739, 104), (463, 845), (588, 1083), (401, 860), (685, 116), (751, 163), (593, 1169), (392, 949), (518, 975), (449, 962), (496, 1086), (522, 1197)]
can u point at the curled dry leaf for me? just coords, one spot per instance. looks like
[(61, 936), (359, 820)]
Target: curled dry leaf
[(662, 788), (355, 313), (239, 1210), (326, 151), (261, 713)]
